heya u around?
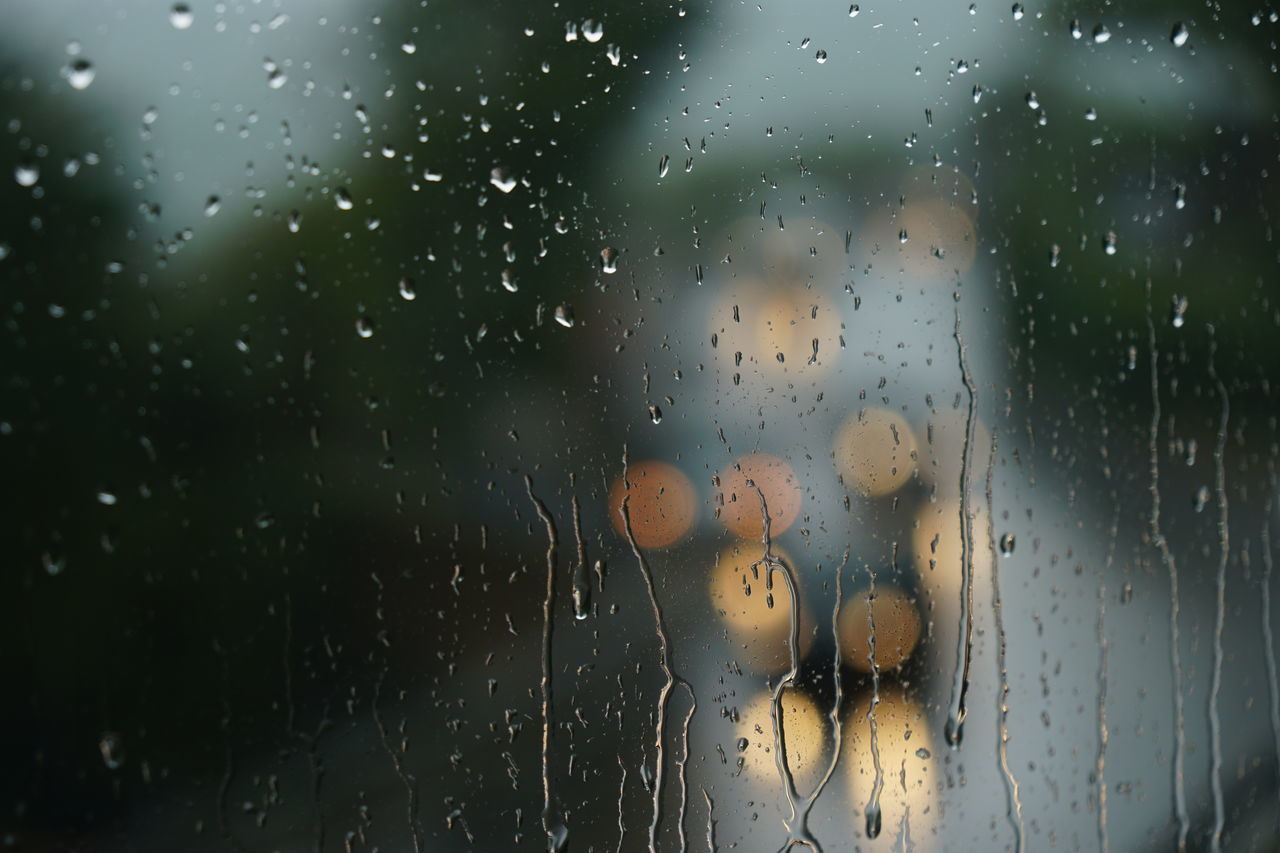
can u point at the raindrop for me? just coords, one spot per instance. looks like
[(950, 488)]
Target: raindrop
[(181, 17), (1018, 11), (364, 327), (106, 498), (1101, 35), (1007, 543), (26, 174), (873, 815), (212, 206), (1178, 311), (111, 745), (509, 281), (592, 31), (854, 10), (821, 56), (409, 47), (1179, 35), (655, 414), (501, 178), (608, 260), (1202, 498), (407, 293), (1109, 242), (564, 316), (1075, 29), (663, 163), (342, 199), (1055, 255), (80, 74)]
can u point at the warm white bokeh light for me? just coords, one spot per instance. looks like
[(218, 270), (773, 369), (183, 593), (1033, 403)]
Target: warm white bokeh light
[(875, 451), (759, 633)]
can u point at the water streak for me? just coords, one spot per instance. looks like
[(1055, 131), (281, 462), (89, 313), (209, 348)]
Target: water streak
[(1179, 714), (1013, 799), (671, 678), (964, 648), (1224, 550), (548, 615)]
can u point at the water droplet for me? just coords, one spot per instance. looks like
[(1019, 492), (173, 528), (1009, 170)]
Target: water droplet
[(1109, 242), (564, 316), (509, 281), (181, 17), (1032, 100), (854, 10), (1101, 35), (1007, 543), (1126, 593), (111, 745), (26, 174), (407, 293), (501, 178), (1179, 35), (342, 199), (364, 327), (1201, 499), (655, 414), (663, 162), (821, 56), (1075, 29), (1018, 11), (80, 74), (1178, 311), (592, 31), (873, 820), (608, 260), (953, 731), (106, 498), (212, 206), (409, 47)]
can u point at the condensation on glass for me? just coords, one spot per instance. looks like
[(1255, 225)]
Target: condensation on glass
[(639, 426)]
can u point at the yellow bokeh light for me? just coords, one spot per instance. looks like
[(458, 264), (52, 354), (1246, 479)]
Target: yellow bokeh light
[(760, 633), (875, 451), (897, 629), (908, 771), (808, 734), (740, 504), (937, 549), (776, 327), (661, 503)]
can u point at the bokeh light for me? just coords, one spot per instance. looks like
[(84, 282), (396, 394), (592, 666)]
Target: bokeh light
[(662, 503), (740, 505), (740, 596), (897, 629), (908, 772), (875, 451)]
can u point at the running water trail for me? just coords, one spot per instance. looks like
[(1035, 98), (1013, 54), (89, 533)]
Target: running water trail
[(672, 679), (1268, 636), (557, 835), (1104, 736), (872, 811), (581, 589), (797, 825), (1179, 714), (964, 647), (1220, 614), (1013, 799)]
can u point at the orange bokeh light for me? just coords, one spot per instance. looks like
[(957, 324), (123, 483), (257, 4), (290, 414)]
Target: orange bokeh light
[(776, 480), (661, 503)]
